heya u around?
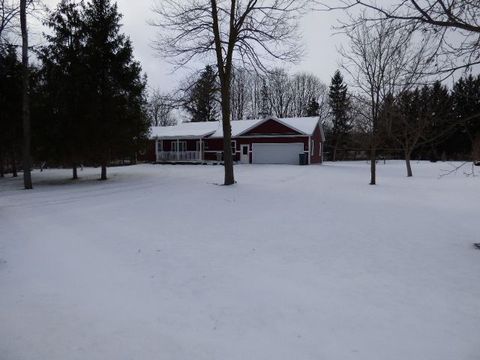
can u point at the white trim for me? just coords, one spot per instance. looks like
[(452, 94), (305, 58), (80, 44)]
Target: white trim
[(269, 136), (255, 125), (322, 133), (309, 152), (294, 128), (274, 118), (175, 145), (186, 137), (249, 151)]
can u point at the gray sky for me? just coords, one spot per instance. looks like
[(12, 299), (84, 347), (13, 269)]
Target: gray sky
[(320, 43)]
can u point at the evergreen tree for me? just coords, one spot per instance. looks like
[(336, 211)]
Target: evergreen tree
[(116, 115), (10, 108), (64, 72), (313, 108), (466, 97), (437, 105), (202, 102), (340, 108), (418, 118), (265, 110)]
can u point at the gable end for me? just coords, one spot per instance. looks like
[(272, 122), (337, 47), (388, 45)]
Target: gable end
[(271, 127)]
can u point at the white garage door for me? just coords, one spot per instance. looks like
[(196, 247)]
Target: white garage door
[(276, 153)]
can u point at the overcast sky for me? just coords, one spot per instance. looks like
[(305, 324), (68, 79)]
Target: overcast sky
[(321, 45)]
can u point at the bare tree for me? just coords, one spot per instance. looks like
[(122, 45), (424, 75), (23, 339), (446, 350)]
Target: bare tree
[(160, 107), (290, 96), (234, 31), (476, 151), (240, 93), (285, 95), (306, 87), (10, 27), (280, 95), (382, 60), (27, 177), (9, 13), (454, 24)]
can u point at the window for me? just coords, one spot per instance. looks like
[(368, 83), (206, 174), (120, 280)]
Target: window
[(245, 149), (182, 146), (312, 148), (234, 146), (159, 145)]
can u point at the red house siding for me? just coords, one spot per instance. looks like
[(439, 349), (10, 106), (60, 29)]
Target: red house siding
[(211, 147), (148, 155), (316, 156), (214, 146), (270, 131), (271, 127)]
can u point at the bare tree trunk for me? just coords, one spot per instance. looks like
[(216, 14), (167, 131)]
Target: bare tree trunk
[(104, 171), (373, 165), (334, 155), (74, 171), (227, 139), (27, 176), (2, 165), (14, 164), (408, 156)]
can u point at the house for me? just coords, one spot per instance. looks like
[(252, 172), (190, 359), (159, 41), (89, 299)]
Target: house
[(261, 141)]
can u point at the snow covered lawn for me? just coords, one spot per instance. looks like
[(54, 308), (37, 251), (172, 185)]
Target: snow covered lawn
[(290, 263)]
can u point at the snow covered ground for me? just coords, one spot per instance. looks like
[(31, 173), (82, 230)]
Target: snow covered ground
[(290, 263)]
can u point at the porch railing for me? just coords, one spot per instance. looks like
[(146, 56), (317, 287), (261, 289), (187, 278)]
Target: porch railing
[(179, 156)]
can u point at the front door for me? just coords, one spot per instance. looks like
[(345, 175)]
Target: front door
[(245, 154)]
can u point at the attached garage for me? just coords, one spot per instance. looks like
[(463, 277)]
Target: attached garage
[(260, 141), (275, 153)]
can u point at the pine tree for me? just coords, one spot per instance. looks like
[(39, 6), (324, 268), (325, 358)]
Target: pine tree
[(116, 112), (265, 110), (340, 108), (26, 124), (313, 108), (202, 102), (438, 108), (10, 108), (466, 97), (64, 72)]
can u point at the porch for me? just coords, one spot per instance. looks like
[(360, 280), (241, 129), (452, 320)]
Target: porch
[(186, 150), (179, 156)]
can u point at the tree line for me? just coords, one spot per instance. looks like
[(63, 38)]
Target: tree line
[(392, 52), (87, 92), (253, 95), (425, 122), (393, 49), (430, 122)]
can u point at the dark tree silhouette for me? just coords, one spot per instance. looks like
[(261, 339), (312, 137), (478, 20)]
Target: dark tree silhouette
[(340, 112)]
